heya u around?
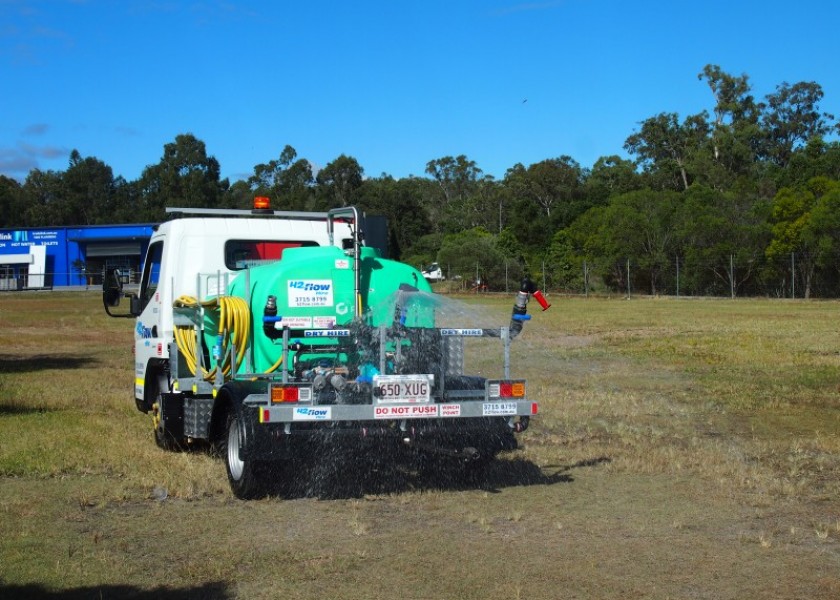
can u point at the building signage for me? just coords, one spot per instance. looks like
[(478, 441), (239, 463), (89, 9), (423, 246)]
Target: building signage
[(24, 239)]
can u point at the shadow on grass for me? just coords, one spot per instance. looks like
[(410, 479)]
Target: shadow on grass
[(9, 409), (208, 591), (43, 362), (343, 477)]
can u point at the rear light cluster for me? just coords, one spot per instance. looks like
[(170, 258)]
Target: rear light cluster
[(506, 389), (287, 392)]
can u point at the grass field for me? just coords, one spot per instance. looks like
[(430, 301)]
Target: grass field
[(684, 449)]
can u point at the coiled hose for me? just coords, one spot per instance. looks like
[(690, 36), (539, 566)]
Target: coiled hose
[(234, 326)]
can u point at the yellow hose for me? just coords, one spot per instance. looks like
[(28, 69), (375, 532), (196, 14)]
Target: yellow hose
[(234, 326)]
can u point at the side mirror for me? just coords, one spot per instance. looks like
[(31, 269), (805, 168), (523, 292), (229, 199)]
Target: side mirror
[(112, 292), (112, 288)]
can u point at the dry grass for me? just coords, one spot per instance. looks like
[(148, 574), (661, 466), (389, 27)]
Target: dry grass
[(683, 449)]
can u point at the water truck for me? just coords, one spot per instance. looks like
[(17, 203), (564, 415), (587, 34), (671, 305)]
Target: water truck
[(267, 333)]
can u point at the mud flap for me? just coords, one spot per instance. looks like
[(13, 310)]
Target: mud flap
[(172, 414)]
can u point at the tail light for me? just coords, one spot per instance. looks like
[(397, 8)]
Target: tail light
[(506, 389), (290, 393)]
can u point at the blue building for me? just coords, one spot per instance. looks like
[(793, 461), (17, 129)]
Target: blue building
[(56, 257)]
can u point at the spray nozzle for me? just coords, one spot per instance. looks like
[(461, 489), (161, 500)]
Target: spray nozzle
[(529, 287), (541, 299)]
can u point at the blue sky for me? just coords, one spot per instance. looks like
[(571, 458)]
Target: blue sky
[(393, 84)]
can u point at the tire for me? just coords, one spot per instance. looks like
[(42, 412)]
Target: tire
[(246, 478)]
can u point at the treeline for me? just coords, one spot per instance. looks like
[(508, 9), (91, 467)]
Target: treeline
[(743, 199)]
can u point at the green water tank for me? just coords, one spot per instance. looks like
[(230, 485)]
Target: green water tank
[(314, 288)]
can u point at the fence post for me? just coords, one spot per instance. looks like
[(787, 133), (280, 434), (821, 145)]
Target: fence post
[(792, 277), (543, 271), (732, 275), (585, 279), (628, 277), (678, 275)]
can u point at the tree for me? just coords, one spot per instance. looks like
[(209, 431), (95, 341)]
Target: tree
[(473, 254), (424, 251), (288, 182), (239, 195), (553, 184), (802, 225), (296, 186), (90, 193), (42, 199), (401, 202), (457, 180), (11, 202), (718, 232), (340, 179), (610, 176), (667, 147), (817, 158), (823, 234), (267, 177), (185, 176), (564, 264), (639, 226), (735, 133), (791, 118)]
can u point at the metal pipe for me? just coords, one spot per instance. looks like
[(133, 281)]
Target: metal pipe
[(357, 271)]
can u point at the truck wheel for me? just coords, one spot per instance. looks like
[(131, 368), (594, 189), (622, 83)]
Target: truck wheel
[(244, 474)]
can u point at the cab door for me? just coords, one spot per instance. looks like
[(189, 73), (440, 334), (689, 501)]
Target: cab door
[(150, 350)]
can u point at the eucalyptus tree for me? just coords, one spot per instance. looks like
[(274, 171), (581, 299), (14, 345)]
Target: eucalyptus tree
[(610, 176), (555, 185), (339, 180), (791, 118), (458, 179), (735, 132), (287, 180), (666, 148), (267, 178), (186, 176)]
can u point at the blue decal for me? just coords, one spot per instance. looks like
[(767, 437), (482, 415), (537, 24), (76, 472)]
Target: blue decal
[(143, 332), (310, 287)]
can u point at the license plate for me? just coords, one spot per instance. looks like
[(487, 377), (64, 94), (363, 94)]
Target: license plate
[(402, 388)]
